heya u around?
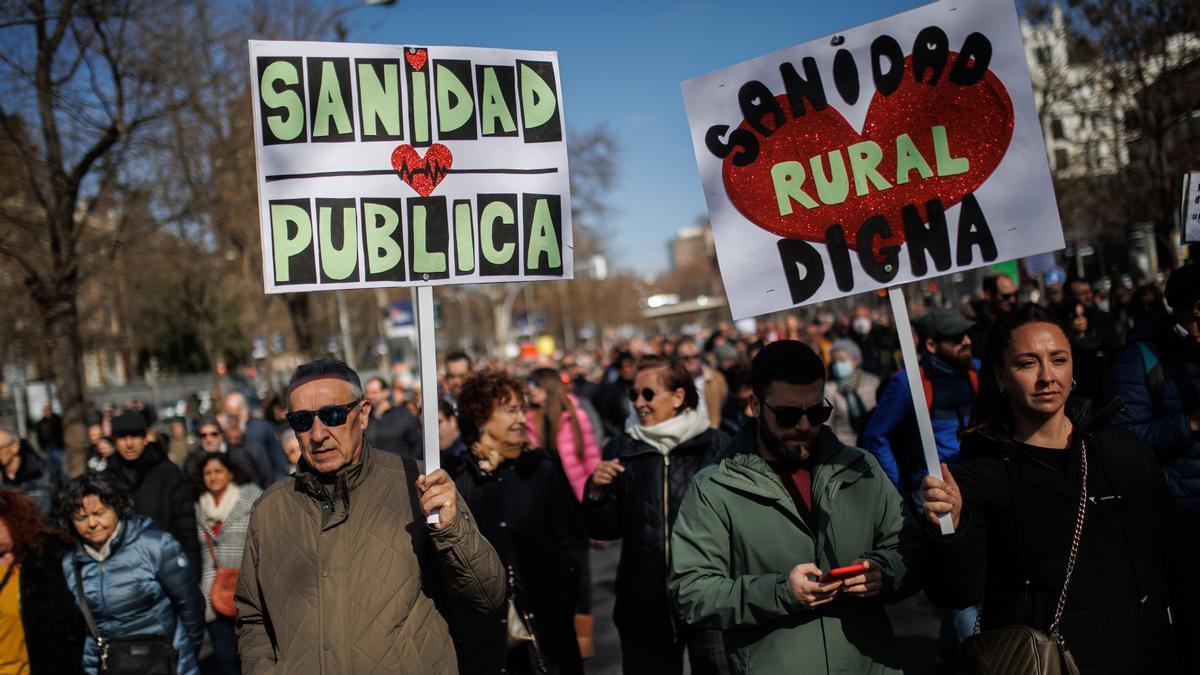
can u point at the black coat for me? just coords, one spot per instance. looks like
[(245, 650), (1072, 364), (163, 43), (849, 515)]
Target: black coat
[(54, 628), (526, 509), (396, 431), (632, 509), (1014, 537), (162, 493), (36, 478)]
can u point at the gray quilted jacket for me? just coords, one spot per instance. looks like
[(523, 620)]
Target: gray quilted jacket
[(348, 578)]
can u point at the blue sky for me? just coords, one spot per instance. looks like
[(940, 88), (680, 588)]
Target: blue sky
[(622, 64)]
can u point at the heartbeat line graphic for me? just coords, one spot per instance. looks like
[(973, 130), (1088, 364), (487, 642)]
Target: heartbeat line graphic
[(420, 170), (430, 167)]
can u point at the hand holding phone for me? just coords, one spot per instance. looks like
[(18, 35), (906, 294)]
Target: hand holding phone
[(842, 573), (863, 579)]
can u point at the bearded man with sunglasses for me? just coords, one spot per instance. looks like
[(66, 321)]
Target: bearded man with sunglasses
[(759, 535), (341, 573)]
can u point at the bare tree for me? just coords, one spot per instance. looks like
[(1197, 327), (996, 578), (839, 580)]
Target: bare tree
[(94, 76)]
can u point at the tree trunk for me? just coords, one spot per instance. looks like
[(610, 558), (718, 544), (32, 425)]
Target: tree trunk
[(300, 312), (60, 316)]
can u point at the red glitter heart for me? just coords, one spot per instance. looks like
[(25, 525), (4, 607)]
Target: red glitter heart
[(979, 122), (422, 173), (416, 58)]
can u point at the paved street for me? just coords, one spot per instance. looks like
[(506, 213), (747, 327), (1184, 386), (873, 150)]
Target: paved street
[(914, 621)]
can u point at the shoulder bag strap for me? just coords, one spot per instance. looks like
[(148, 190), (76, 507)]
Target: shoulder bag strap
[(83, 605), (1062, 598), (211, 551)]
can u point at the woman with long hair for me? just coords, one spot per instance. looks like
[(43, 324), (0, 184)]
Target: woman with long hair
[(557, 423), (222, 519), (556, 416), (1063, 522), (523, 504), (41, 631), (134, 579)]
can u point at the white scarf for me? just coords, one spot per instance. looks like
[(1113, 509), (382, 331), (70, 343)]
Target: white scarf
[(670, 434), (217, 513), (105, 550)]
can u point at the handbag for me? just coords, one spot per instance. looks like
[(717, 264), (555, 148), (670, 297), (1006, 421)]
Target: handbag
[(224, 585), (520, 629), (148, 654), (1023, 649)]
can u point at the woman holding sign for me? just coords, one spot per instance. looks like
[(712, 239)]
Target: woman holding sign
[(1063, 523)]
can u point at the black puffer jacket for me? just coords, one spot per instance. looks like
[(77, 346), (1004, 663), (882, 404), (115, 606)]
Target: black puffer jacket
[(36, 478), (526, 509), (639, 508), (161, 493), (54, 629), (1135, 559)]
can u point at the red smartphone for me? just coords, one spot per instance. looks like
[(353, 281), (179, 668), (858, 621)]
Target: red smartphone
[(843, 572)]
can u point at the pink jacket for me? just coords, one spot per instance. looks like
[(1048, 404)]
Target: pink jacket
[(577, 470)]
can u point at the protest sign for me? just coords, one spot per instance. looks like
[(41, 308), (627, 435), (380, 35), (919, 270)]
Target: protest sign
[(903, 149), (1190, 214), (382, 165)]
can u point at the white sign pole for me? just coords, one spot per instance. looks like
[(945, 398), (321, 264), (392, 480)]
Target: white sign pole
[(920, 406), (427, 351)]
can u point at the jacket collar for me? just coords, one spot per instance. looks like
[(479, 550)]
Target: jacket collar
[(1085, 419), (333, 491), (746, 470), (523, 463)]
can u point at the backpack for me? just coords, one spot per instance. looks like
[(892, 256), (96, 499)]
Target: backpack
[(927, 384)]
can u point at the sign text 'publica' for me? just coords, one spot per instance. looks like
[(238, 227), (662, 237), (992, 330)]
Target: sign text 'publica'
[(384, 165)]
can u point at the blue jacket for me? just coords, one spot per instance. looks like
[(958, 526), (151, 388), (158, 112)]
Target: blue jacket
[(891, 432), (1163, 423), (144, 586)]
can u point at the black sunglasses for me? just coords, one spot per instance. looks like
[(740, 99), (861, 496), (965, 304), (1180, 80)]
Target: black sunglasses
[(646, 393), (788, 417), (330, 416)]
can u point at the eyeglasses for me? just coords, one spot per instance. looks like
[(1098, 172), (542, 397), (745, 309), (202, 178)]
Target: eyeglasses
[(1008, 296), (789, 416), (646, 393), (957, 338), (217, 434), (690, 357), (330, 416)]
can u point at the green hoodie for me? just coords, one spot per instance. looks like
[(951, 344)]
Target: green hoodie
[(738, 535)]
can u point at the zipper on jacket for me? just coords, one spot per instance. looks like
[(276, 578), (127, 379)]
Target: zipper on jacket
[(667, 539)]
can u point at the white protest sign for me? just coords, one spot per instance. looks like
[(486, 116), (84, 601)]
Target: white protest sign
[(903, 149), (1190, 215), (383, 165)]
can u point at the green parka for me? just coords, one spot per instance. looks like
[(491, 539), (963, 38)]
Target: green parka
[(738, 535)]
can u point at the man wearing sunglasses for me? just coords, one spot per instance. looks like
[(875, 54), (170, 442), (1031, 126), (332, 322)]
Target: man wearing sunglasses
[(341, 572), (759, 534), (999, 300)]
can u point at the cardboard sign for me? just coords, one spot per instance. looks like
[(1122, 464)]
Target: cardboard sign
[(384, 165), (1190, 214), (900, 150)]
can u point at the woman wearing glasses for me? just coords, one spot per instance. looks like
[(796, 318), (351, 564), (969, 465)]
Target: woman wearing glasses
[(634, 495), (524, 506), (212, 439), (222, 518)]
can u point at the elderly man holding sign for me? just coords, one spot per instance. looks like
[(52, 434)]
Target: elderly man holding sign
[(340, 571)]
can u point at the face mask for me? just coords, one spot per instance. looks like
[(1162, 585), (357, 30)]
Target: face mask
[(861, 325), (842, 369)]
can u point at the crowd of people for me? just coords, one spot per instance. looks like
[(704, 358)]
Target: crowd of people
[(769, 490)]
